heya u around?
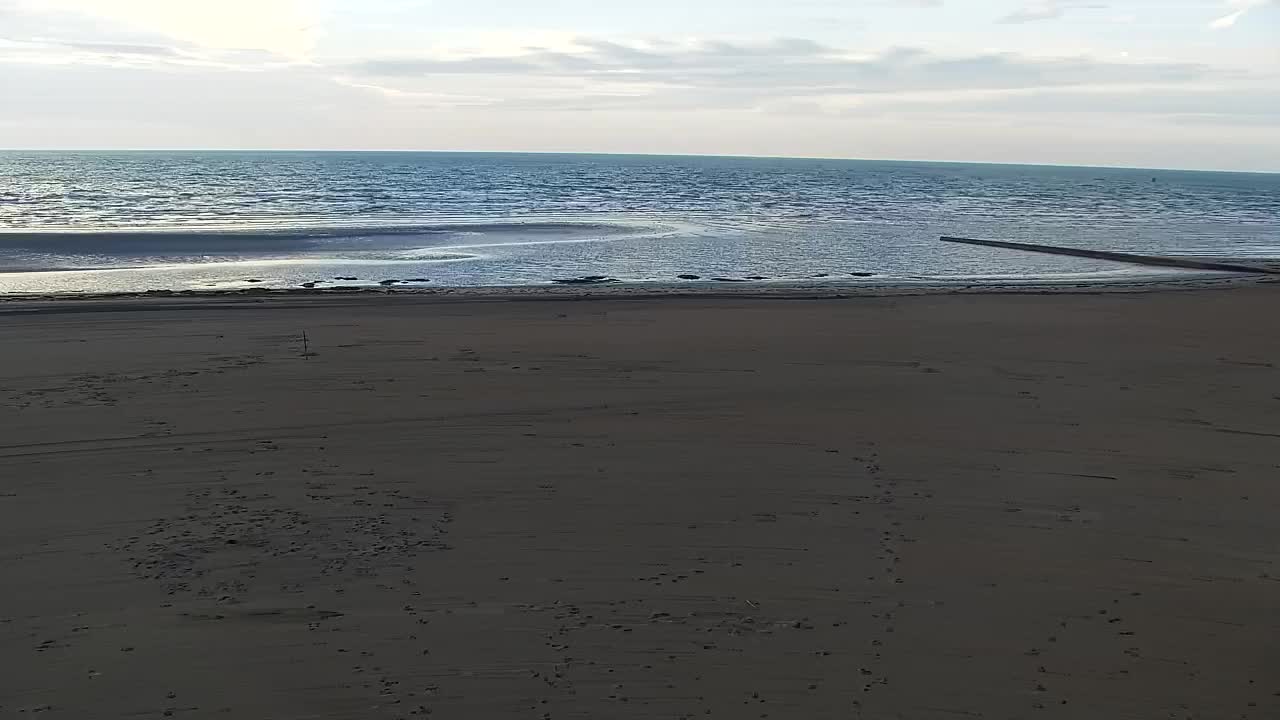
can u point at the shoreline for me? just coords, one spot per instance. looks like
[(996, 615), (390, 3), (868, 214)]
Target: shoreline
[(833, 290)]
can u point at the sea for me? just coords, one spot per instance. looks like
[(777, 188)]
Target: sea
[(126, 222)]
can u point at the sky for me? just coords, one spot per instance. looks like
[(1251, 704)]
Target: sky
[(1149, 83)]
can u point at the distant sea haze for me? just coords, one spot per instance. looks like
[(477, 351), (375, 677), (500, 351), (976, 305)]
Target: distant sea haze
[(128, 222)]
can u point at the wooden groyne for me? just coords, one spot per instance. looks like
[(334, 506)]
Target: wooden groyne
[(1155, 260)]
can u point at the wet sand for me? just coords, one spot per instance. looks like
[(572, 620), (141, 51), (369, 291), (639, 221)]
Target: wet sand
[(1036, 506)]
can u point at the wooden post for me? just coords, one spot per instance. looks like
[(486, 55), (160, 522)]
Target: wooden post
[(1155, 260)]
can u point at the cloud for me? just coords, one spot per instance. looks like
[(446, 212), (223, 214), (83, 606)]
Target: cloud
[(718, 74), (98, 105), (422, 98), (1242, 7), (110, 48), (138, 56), (286, 28), (1225, 105), (1046, 10), (1226, 21)]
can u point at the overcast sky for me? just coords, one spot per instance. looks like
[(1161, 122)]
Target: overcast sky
[(1154, 83)]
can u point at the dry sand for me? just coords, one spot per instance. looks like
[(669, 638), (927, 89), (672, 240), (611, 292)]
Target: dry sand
[(934, 507)]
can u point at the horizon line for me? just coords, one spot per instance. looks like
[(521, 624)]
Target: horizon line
[(623, 154)]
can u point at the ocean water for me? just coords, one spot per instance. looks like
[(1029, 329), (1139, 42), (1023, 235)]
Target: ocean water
[(127, 222)]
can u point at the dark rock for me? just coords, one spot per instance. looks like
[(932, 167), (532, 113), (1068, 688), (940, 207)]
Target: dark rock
[(738, 280), (821, 275), (418, 280), (347, 279), (588, 280), (690, 277), (308, 285), (862, 274), (253, 280), (389, 283), (757, 277)]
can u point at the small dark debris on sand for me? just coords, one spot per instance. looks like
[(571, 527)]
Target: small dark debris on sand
[(689, 277), (737, 280), (862, 274), (347, 279), (588, 280), (389, 283), (757, 277)]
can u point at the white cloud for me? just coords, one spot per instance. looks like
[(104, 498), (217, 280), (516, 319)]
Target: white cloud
[(138, 56), (287, 28), (1241, 7), (424, 99), (1046, 10), (600, 73), (1226, 21)]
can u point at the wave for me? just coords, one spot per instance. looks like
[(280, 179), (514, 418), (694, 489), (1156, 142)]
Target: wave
[(37, 270), (132, 241)]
